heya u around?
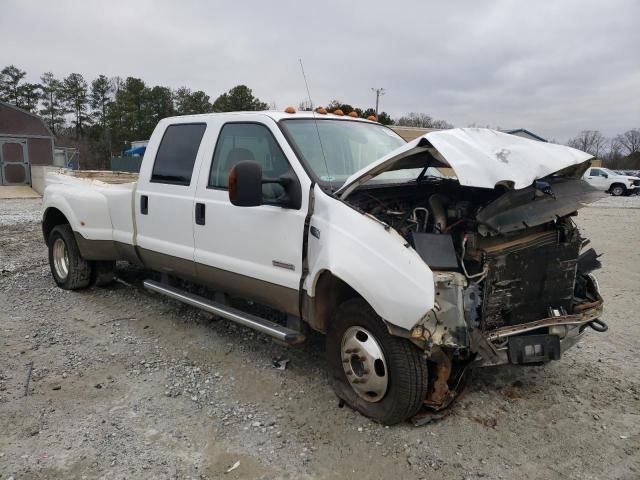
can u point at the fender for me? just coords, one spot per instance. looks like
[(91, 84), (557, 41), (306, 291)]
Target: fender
[(371, 258), (89, 215)]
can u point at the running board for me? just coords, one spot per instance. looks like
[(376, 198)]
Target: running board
[(262, 325)]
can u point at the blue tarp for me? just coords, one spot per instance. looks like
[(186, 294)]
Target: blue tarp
[(135, 151)]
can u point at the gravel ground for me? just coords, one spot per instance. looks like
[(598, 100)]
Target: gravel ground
[(126, 384), (632, 201)]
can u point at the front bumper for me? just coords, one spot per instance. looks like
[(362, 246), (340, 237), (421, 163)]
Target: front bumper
[(493, 345)]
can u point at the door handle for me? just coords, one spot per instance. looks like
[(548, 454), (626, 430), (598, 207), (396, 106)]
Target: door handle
[(144, 204), (200, 213)]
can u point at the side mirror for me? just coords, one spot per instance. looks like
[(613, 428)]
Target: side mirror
[(245, 184), (605, 175), (245, 187)]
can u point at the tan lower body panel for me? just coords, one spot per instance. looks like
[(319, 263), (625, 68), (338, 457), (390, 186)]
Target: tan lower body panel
[(276, 296), (281, 298), (106, 250)]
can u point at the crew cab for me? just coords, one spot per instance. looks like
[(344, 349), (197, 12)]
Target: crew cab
[(612, 182), (340, 226)]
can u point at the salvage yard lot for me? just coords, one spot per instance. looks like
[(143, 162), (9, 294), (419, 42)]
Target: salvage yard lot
[(128, 384)]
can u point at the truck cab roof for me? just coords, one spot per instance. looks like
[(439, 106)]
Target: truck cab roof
[(275, 115)]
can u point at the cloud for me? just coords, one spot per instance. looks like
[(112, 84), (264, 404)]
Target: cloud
[(552, 67)]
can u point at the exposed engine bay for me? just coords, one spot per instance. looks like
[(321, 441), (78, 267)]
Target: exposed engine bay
[(512, 276), (519, 250)]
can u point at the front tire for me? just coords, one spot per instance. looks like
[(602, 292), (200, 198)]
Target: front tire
[(382, 376), (617, 190), (70, 271)]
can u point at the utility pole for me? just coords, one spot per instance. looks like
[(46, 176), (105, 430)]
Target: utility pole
[(379, 92)]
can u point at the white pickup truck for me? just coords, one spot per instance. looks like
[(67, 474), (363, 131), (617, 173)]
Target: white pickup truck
[(343, 227), (612, 182)]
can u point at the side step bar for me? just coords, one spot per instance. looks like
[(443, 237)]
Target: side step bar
[(262, 325)]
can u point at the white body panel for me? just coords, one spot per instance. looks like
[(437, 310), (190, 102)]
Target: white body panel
[(168, 225), (96, 210), (247, 241), (372, 259)]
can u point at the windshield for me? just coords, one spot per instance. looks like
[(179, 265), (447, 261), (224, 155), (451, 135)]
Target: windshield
[(346, 147)]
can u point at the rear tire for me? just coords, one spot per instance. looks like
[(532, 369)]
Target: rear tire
[(388, 389), (70, 271), (617, 190)]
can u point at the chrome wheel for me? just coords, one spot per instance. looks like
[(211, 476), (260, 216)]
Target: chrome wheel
[(617, 190), (364, 364), (60, 258)]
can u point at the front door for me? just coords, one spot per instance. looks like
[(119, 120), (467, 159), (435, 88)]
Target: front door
[(254, 252), (14, 162), (596, 178)]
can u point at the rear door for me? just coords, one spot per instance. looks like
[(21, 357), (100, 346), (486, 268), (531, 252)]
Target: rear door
[(164, 198), (254, 252)]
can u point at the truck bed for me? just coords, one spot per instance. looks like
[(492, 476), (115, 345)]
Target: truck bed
[(102, 202), (105, 176)]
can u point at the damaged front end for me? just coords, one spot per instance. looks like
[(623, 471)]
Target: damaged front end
[(513, 280)]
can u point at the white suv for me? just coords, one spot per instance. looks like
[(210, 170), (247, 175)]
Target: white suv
[(612, 182)]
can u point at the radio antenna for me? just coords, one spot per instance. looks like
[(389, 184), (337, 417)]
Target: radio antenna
[(315, 120)]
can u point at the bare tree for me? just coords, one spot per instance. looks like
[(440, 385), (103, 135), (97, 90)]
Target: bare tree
[(416, 119), (590, 141), (615, 148), (305, 106), (422, 120), (630, 141), (441, 124)]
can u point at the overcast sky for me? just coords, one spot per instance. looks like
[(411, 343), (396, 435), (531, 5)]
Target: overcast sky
[(553, 67)]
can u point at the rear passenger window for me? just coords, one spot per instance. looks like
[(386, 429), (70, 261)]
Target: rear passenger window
[(177, 153), (248, 141)]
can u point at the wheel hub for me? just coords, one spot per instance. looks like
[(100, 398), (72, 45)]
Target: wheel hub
[(60, 258), (364, 364)]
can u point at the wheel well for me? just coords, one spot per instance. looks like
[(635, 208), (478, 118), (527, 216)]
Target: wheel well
[(52, 218), (617, 183), (330, 291)]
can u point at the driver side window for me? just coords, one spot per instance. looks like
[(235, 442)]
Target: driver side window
[(248, 141), (595, 172)]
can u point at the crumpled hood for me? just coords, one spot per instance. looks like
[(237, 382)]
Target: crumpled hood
[(480, 157)]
